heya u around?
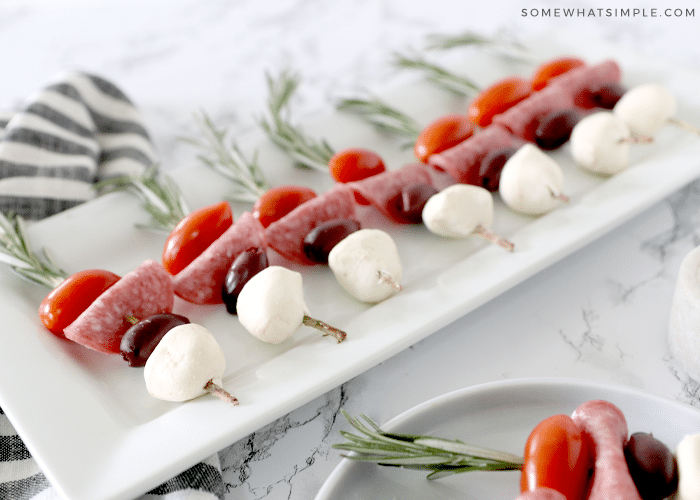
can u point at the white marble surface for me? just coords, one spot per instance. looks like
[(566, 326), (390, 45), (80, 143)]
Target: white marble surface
[(600, 313)]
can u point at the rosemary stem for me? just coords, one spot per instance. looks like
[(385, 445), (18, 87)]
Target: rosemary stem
[(304, 150), (440, 457)]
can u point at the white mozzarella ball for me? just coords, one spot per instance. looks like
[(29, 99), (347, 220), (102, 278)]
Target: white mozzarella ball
[(363, 261), (456, 211), (600, 143), (531, 181), (688, 460), (271, 304), (183, 362), (646, 108)]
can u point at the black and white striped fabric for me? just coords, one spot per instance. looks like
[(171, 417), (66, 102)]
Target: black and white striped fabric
[(79, 129), (21, 479)]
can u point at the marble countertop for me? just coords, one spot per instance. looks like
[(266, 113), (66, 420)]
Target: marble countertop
[(600, 313)]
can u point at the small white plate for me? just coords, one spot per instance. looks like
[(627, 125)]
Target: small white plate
[(499, 415), (87, 418)]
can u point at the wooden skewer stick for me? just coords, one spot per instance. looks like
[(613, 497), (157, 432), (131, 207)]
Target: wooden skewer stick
[(492, 237)]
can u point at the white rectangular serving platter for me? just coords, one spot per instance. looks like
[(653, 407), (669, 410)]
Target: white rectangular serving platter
[(87, 418)]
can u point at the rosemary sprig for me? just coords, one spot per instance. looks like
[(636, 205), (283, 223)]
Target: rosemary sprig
[(161, 198), (468, 38), (509, 48), (229, 161), (17, 253), (439, 75), (442, 457), (305, 151), (383, 116)]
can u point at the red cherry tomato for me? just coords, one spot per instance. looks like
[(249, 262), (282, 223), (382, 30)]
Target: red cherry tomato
[(557, 456), (355, 164), (548, 70), (194, 234), (497, 98), (69, 299), (279, 201), (442, 134)]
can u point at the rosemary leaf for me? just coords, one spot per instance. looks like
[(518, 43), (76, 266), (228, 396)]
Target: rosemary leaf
[(247, 176), (161, 197), (460, 448), (305, 151), (383, 116), (439, 75), (440, 456), (508, 48), (468, 38), (15, 251)]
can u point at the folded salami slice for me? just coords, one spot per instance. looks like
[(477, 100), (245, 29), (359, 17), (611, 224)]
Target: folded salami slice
[(381, 190), (541, 494), (566, 91), (203, 278), (463, 160), (286, 235), (605, 425), (143, 292)]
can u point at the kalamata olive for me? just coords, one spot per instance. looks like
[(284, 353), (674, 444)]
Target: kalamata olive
[(319, 242), (407, 206), (603, 96), (606, 96), (245, 266), (651, 465), (141, 338), (555, 128), (491, 166)]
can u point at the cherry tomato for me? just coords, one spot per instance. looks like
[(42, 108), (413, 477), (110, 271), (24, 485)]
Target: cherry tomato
[(279, 201), (557, 456), (442, 134), (69, 299), (355, 164), (548, 70), (497, 98), (194, 234)]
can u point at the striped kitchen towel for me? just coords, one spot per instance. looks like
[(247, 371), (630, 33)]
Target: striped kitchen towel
[(78, 130), (21, 478)]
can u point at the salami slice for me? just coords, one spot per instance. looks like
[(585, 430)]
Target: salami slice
[(541, 494), (286, 235), (568, 90), (605, 425), (381, 190), (203, 278), (143, 292), (463, 160)]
